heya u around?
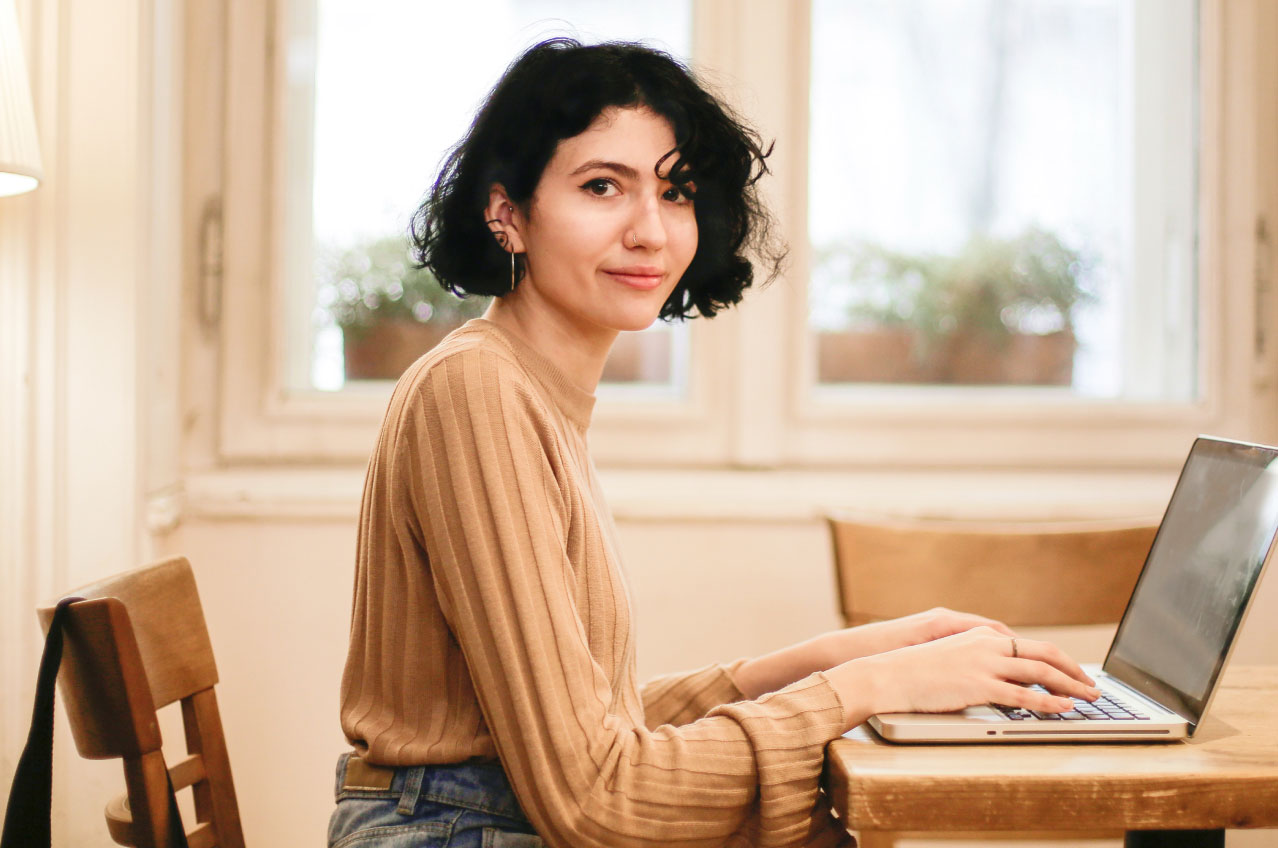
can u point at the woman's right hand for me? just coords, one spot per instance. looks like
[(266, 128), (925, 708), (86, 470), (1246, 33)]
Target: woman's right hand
[(963, 670)]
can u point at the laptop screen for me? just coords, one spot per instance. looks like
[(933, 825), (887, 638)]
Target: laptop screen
[(1199, 576)]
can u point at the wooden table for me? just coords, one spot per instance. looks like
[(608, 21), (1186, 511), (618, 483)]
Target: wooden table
[(1226, 776)]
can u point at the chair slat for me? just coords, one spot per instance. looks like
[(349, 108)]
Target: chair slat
[(202, 836), (188, 772)]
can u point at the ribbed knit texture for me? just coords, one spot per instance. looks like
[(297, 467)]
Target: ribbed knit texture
[(492, 619)]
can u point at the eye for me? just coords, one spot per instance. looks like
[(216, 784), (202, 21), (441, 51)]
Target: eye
[(679, 194), (600, 187)]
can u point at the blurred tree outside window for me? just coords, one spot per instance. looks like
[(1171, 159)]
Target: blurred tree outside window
[(1004, 192)]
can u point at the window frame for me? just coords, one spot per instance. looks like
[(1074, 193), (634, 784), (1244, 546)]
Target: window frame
[(750, 400), (259, 417), (909, 427)]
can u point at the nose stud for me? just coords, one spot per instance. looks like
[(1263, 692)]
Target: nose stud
[(634, 240)]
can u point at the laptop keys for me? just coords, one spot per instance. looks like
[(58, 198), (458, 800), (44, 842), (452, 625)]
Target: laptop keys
[(1014, 713), (1105, 708)]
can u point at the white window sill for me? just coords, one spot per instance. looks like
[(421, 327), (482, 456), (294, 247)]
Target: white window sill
[(272, 494)]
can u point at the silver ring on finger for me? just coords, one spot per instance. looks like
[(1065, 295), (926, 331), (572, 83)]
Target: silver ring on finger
[(1015, 653)]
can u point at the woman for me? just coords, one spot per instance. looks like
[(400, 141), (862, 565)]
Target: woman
[(490, 689)]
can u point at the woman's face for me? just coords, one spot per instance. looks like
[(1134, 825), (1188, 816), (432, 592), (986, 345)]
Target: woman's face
[(606, 238)]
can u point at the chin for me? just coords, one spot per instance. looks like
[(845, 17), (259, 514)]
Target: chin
[(635, 323)]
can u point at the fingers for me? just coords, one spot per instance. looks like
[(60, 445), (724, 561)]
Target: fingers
[(1011, 695), (1048, 653), (1033, 671), (977, 666)]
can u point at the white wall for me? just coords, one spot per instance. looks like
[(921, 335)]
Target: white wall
[(88, 282)]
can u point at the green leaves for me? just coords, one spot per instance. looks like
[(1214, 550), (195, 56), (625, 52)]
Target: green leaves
[(377, 280), (992, 287)]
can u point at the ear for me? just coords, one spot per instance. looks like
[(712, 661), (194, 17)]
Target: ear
[(504, 220)]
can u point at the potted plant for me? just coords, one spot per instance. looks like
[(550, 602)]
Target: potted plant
[(999, 311), (390, 311)]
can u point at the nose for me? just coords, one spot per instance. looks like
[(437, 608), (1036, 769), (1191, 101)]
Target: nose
[(647, 229)]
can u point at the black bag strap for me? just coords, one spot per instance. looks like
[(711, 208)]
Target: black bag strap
[(27, 816)]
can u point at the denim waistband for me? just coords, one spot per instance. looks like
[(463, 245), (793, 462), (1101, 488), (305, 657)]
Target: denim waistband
[(477, 785)]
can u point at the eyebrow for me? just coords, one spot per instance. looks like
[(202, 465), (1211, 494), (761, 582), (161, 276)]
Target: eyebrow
[(624, 170)]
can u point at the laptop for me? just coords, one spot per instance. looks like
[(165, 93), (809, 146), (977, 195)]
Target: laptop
[(1180, 624)]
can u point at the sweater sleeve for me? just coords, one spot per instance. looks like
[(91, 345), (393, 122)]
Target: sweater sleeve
[(683, 698), (492, 515)]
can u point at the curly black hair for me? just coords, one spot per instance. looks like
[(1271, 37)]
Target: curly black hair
[(555, 90)]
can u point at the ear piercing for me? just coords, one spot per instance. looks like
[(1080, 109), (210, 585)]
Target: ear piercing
[(498, 228)]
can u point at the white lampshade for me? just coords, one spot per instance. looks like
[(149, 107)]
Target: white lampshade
[(19, 149)]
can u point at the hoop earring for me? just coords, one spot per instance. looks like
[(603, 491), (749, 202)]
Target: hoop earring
[(503, 240)]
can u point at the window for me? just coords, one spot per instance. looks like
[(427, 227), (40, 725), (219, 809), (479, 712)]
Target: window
[(1159, 351), (375, 95), (1005, 192)]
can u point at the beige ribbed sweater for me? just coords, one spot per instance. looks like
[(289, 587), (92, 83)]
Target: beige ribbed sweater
[(492, 619)]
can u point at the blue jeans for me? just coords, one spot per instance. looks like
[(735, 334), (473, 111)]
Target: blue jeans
[(468, 805)]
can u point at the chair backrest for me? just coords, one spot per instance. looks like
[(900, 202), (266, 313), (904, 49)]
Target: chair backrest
[(137, 643), (1024, 574)]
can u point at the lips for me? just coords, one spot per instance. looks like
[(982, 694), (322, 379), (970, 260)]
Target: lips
[(642, 277)]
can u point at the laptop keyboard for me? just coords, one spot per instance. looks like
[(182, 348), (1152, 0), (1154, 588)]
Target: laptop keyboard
[(1108, 707)]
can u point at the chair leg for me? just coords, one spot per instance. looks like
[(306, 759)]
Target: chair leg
[(214, 800), (148, 806)]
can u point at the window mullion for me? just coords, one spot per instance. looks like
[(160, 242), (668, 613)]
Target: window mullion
[(761, 58)]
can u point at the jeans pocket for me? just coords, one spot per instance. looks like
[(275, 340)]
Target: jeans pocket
[(375, 823), (494, 838), (419, 835)]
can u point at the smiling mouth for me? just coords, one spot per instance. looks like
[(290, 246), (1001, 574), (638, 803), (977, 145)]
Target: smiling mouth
[(645, 281)]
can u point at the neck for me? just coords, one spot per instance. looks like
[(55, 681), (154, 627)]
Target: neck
[(579, 352)]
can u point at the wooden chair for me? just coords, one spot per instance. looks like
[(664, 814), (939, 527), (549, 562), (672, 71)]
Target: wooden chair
[(1024, 574), (138, 643)]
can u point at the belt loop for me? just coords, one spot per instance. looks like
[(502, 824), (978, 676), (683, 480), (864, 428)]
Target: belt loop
[(412, 790), (341, 774)]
